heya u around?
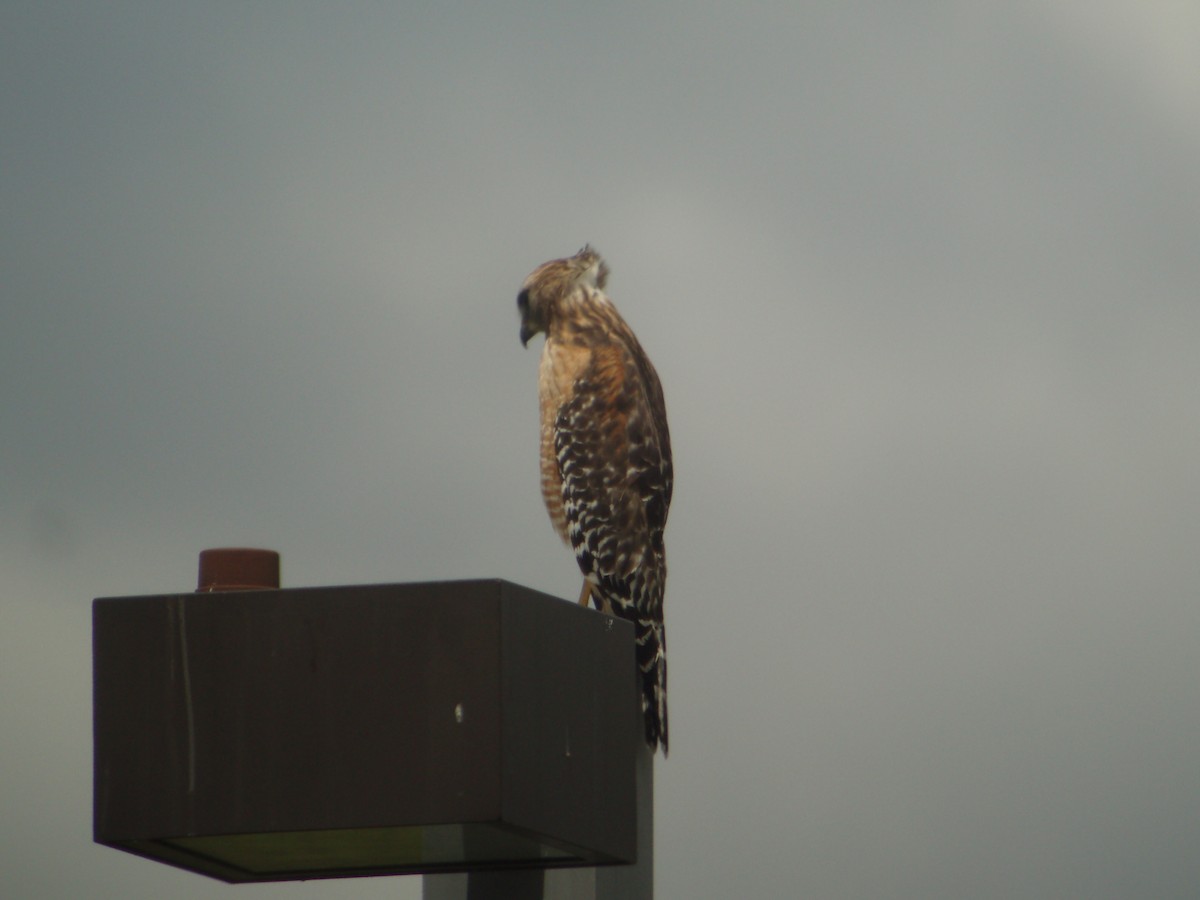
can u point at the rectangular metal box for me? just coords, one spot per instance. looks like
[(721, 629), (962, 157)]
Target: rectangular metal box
[(366, 730)]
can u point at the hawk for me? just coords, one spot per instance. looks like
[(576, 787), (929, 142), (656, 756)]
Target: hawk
[(605, 456)]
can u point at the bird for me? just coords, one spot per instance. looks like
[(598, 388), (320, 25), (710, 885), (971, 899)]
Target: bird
[(606, 469)]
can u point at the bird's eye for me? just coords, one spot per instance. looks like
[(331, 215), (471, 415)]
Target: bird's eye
[(523, 300)]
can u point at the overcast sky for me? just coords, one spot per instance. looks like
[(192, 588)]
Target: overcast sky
[(923, 287)]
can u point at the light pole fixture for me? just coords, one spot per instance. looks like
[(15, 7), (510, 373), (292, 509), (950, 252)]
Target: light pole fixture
[(272, 735)]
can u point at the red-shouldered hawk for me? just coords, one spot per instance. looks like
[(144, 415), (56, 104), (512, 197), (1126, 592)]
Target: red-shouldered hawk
[(605, 455)]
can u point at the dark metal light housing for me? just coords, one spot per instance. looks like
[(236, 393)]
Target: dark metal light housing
[(270, 735)]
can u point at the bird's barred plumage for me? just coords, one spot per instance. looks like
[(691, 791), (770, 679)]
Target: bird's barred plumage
[(605, 455)]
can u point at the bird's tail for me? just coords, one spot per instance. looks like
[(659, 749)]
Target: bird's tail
[(651, 639)]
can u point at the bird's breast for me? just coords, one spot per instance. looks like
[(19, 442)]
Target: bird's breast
[(560, 368)]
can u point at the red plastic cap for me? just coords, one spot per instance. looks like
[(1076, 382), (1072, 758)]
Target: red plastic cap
[(238, 569)]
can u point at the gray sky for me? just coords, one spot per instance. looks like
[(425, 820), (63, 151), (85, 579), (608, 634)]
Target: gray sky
[(922, 285)]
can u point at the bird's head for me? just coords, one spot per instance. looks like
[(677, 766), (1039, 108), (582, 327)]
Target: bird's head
[(555, 284)]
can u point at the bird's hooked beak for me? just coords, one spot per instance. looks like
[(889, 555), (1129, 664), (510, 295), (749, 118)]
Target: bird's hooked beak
[(527, 329)]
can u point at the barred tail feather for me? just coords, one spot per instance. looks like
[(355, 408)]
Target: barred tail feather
[(651, 639)]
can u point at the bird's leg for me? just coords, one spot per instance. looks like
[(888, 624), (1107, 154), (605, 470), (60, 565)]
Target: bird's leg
[(601, 604)]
